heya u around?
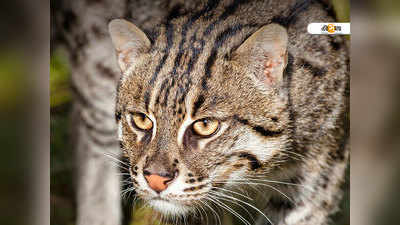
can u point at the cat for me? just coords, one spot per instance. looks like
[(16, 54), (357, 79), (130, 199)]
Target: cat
[(232, 105)]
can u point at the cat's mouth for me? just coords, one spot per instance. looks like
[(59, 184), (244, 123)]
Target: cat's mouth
[(169, 207), (173, 205)]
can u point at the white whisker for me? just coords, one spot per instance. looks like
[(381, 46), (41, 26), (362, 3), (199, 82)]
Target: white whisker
[(115, 159), (204, 211), (234, 192), (270, 186), (216, 216), (223, 205), (234, 202), (272, 181), (227, 196)]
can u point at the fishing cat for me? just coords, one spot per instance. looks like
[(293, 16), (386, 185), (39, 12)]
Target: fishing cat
[(232, 105)]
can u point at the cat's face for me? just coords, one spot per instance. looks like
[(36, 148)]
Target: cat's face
[(191, 136)]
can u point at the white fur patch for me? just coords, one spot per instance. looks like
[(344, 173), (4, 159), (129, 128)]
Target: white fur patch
[(188, 120), (297, 215), (186, 123), (153, 119), (261, 147), (119, 131), (168, 207)]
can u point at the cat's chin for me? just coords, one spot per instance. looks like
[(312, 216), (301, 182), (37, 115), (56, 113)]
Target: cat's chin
[(168, 207)]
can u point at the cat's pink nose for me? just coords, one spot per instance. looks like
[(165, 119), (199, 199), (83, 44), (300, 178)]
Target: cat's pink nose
[(158, 183)]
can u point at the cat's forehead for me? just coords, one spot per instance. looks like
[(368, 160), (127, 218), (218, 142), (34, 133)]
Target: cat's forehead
[(163, 78)]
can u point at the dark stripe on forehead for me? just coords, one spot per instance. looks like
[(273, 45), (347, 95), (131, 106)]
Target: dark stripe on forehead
[(167, 93), (163, 84), (196, 51), (146, 100), (195, 56), (179, 91), (197, 104), (231, 9), (261, 130), (219, 41), (210, 62), (210, 5), (169, 33)]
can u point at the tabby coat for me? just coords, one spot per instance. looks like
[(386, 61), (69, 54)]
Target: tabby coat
[(226, 102)]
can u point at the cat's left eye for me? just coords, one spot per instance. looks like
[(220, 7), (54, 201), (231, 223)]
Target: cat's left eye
[(205, 127), (141, 121)]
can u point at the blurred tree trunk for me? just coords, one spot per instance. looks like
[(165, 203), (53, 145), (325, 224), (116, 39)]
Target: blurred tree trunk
[(81, 27)]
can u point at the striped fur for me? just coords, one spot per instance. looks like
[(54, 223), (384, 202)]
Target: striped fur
[(290, 131)]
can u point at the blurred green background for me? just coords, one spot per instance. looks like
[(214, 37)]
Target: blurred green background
[(63, 203), (61, 160)]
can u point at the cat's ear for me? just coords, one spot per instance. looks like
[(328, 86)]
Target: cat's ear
[(128, 40), (264, 53)]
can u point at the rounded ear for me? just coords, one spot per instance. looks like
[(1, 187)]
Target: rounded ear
[(128, 40), (264, 53)]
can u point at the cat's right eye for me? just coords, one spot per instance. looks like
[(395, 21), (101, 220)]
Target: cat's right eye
[(206, 127), (141, 121)]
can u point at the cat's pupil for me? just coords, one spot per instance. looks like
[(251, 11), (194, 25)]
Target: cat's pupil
[(142, 118)]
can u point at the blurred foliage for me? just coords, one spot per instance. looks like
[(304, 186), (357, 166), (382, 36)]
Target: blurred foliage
[(342, 9), (62, 197), (12, 79), (61, 168), (16, 145), (143, 215), (62, 201), (387, 8), (59, 79)]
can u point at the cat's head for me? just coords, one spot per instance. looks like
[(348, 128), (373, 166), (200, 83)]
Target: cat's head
[(192, 121)]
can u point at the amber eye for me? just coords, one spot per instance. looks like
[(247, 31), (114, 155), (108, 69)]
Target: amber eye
[(141, 121), (206, 127)]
